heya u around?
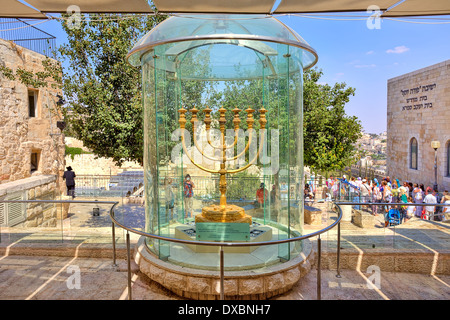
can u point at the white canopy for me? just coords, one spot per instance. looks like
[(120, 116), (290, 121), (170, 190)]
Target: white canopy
[(15, 9), (93, 6), (313, 6), (390, 8), (419, 8)]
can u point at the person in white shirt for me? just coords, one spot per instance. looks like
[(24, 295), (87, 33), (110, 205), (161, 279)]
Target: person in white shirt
[(429, 199), (410, 210)]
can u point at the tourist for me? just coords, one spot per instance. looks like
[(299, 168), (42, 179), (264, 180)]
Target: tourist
[(418, 196), (388, 180), (410, 210), (274, 195), (403, 199), (284, 191), (330, 182), (395, 193), (446, 210), (377, 197), (188, 186), (387, 198), (359, 182), (261, 195), (354, 191), (437, 211), (335, 189), (429, 199), (69, 176), (170, 198), (365, 191)]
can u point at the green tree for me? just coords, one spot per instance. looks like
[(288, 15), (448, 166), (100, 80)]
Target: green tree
[(329, 133), (102, 89)]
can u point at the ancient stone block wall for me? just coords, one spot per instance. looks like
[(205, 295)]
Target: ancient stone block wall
[(20, 134), (418, 106)]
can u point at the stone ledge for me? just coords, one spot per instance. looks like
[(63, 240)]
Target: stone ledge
[(25, 184), (312, 216), (363, 219), (409, 261), (198, 284)]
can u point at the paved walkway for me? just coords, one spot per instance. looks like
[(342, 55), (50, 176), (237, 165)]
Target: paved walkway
[(46, 264), (55, 278)]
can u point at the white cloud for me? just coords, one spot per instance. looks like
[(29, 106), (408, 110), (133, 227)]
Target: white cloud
[(359, 66), (398, 50), (370, 52)]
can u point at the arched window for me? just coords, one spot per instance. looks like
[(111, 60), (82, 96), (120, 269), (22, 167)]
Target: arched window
[(413, 153), (448, 158)]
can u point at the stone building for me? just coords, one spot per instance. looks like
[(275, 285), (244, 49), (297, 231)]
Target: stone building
[(418, 112), (31, 146)]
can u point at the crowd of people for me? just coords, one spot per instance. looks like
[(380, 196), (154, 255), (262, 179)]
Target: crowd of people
[(364, 190), (367, 192)]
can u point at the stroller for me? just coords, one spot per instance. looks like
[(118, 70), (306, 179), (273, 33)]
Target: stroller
[(394, 217)]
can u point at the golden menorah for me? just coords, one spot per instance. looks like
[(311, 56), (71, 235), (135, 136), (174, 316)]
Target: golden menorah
[(222, 212)]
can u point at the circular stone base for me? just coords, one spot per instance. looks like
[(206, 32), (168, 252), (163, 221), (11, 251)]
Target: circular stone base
[(191, 283)]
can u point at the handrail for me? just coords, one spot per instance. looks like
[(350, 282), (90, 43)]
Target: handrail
[(231, 244), (219, 244)]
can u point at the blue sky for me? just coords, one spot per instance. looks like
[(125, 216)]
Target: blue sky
[(366, 58), (363, 58)]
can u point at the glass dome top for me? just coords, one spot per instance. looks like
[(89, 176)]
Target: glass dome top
[(261, 33)]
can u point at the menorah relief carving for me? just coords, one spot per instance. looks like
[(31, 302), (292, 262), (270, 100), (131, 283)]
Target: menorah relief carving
[(223, 212)]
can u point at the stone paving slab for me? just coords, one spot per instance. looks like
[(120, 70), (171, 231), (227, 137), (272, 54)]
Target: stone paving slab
[(33, 265), (51, 278)]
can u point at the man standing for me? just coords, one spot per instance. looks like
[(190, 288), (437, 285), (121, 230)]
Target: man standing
[(69, 176), (429, 198)]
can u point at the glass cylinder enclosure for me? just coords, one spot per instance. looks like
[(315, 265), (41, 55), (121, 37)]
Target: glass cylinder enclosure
[(223, 131)]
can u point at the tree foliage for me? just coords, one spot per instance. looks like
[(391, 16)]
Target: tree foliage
[(104, 94), (329, 133), (102, 88)]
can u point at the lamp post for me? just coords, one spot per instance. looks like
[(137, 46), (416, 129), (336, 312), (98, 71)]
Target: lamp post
[(435, 145)]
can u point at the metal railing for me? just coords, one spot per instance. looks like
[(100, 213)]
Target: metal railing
[(104, 186), (231, 244), (318, 233)]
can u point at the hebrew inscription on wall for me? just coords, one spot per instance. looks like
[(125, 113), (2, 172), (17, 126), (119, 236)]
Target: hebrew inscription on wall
[(417, 98)]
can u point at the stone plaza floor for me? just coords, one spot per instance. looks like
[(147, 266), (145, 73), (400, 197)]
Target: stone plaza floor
[(42, 265)]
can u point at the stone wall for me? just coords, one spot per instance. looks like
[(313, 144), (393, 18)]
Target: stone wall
[(418, 106), (90, 164), (21, 134), (41, 187)]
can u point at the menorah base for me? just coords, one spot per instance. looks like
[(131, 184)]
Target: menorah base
[(229, 213)]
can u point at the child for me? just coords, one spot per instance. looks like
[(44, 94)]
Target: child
[(410, 210)]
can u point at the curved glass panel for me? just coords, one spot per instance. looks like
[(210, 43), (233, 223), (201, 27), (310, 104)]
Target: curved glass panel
[(228, 114), (235, 29)]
